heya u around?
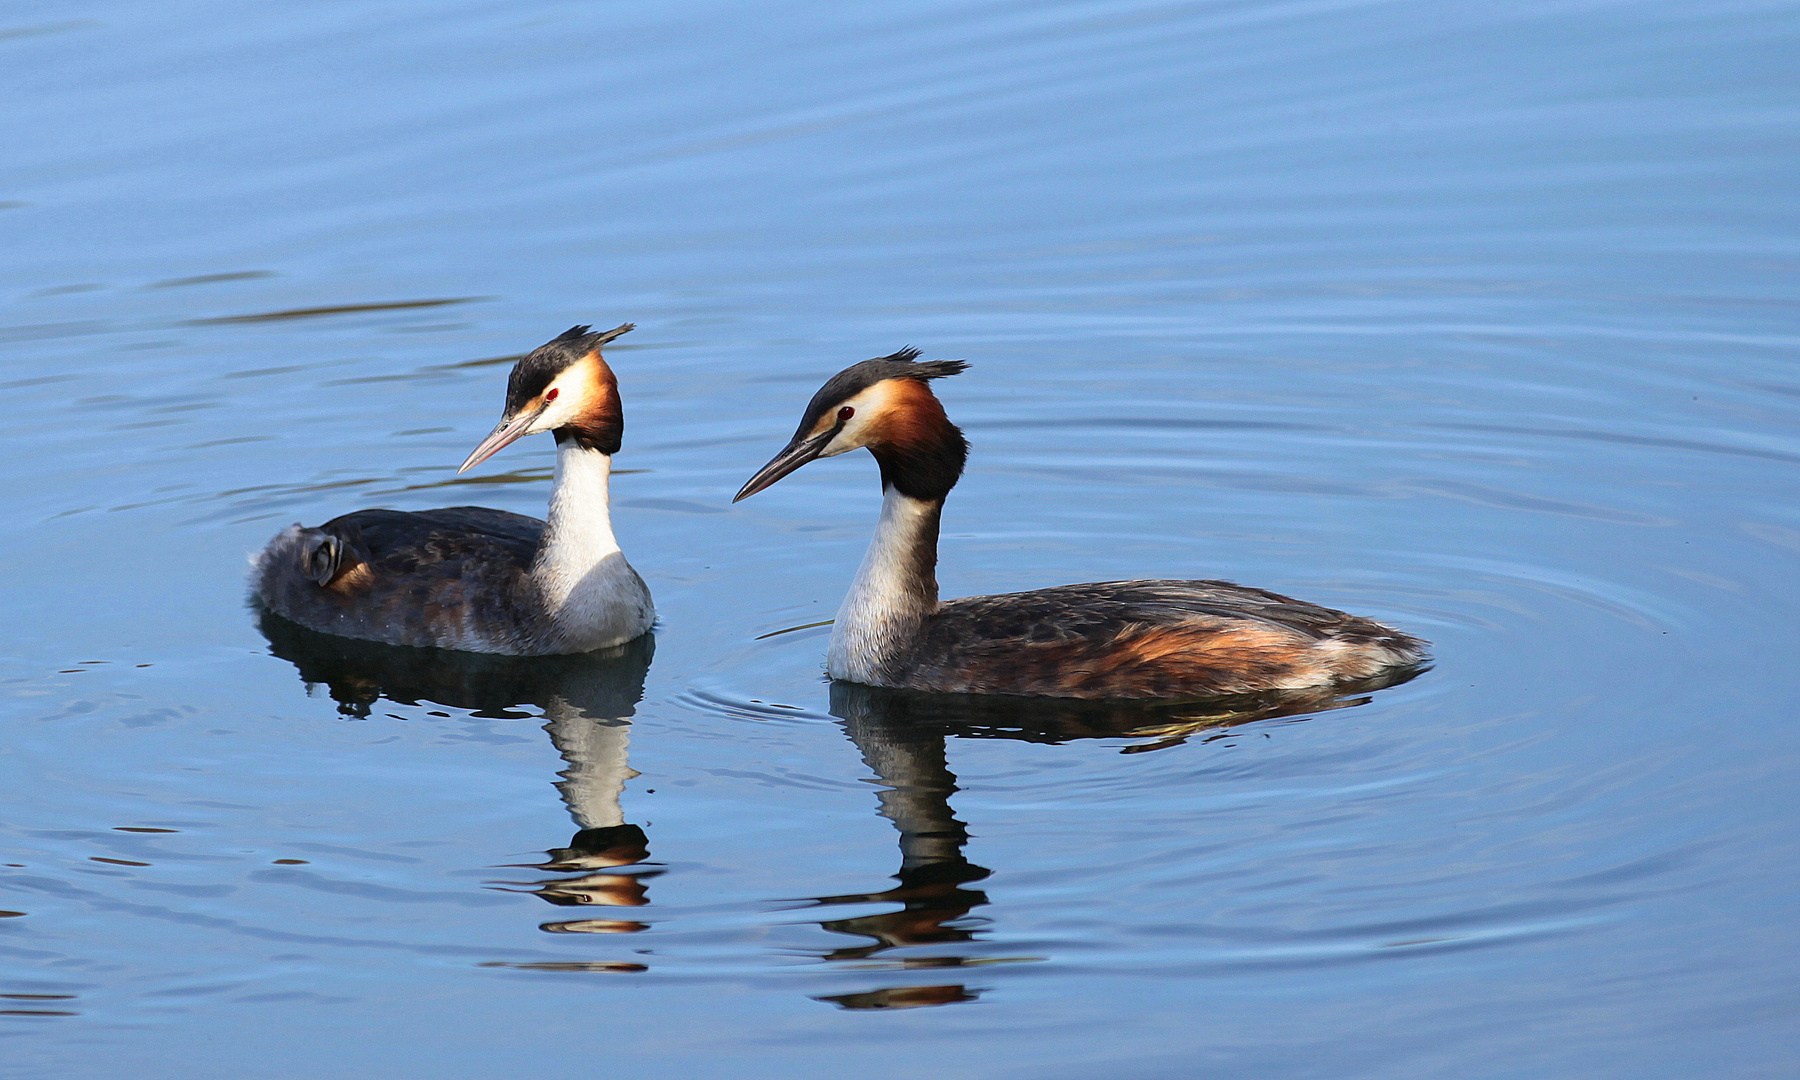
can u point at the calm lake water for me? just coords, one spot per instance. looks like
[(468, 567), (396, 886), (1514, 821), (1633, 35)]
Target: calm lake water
[(1477, 318)]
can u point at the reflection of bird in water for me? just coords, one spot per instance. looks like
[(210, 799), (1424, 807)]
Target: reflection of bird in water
[(588, 701), (902, 736), (1112, 639), (481, 580), (595, 749), (917, 785), (902, 997)]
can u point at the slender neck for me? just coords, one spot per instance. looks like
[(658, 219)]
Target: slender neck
[(899, 571), (580, 533), (893, 593), (587, 596)]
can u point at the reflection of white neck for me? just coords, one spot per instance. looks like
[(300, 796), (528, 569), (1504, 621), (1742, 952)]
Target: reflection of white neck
[(592, 594), (893, 592), (916, 796), (595, 749)]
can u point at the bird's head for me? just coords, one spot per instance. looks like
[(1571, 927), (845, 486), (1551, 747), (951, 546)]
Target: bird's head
[(886, 405), (563, 386)]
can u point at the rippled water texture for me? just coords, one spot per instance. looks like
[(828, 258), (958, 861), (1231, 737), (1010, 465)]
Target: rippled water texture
[(1478, 318)]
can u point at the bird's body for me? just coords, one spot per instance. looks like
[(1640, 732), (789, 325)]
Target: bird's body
[(1147, 639), (476, 579)]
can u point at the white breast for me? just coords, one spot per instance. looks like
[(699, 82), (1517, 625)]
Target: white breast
[(593, 596), (888, 599)]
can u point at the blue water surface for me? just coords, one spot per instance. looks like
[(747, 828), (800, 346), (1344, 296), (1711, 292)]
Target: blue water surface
[(1477, 318)]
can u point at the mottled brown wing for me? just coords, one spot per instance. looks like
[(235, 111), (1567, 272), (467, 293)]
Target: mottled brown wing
[(1096, 610), (1141, 639)]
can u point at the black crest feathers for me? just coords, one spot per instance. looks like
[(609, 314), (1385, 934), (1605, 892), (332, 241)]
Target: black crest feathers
[(856, 378), (579, 337), (916, 369)]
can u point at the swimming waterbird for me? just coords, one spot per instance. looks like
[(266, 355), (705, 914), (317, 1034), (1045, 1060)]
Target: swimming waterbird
[(1147, 639), (481, 580)]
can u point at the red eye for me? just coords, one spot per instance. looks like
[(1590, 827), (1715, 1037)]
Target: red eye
[(845, 413), (550, 395)]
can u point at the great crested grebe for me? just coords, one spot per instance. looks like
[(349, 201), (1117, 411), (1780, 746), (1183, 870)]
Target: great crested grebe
[(481, 580), (1105, 640)]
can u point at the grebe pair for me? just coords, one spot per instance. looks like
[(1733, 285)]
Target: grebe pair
[(485, 580)]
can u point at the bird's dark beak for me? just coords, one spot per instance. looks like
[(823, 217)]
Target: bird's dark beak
[(796, 454), (503, 435)]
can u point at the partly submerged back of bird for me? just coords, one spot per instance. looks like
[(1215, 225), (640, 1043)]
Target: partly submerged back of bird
[(456, 578)]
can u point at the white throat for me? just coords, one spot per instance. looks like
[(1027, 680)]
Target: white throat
[(892, 594), (591, 593)]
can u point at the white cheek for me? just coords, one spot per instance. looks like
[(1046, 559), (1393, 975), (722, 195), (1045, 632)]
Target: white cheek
[(557, 415), (851, 438)]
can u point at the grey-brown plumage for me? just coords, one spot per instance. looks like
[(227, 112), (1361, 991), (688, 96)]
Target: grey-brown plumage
[(456, 578), (475, 579), (1143, 639), (1114, 640)]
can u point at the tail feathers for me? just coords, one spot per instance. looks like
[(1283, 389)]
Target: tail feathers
[(1372, 648)]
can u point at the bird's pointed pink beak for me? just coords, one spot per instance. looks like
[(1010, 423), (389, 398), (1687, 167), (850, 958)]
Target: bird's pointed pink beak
[(504, 434)]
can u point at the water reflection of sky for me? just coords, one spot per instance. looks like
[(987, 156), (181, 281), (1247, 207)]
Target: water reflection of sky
[(1476, 318)]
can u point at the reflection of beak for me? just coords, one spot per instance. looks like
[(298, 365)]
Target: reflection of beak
[(503, 434), (796, 454)]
